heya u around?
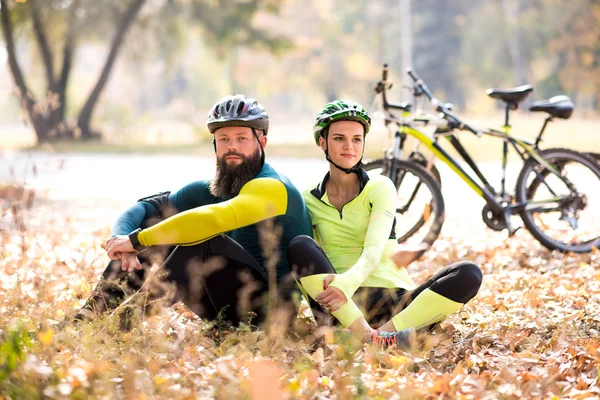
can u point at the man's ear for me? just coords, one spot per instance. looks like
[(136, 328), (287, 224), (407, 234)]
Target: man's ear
[(323, 143), (263, 140)]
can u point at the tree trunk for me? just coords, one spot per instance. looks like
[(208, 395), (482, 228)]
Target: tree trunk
[(40, 36), (407, 45), (85, 116), (61, 87), (54, 114), (511, 14), (59, 114), (27, 100)]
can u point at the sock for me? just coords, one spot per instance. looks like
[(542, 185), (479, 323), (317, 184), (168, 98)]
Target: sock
[(427, 308)]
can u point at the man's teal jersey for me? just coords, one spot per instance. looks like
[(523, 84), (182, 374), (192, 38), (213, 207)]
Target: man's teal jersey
[(201, 216)]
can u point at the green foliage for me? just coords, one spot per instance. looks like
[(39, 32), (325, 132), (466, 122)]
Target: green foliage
[(230, 23), (12, 352)]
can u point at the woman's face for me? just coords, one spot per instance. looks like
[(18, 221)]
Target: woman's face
[(345, 143)]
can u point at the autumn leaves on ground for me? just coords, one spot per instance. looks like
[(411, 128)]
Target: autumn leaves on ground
[(533, 331)]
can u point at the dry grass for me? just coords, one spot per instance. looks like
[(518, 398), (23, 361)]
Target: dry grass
[(533, 331)]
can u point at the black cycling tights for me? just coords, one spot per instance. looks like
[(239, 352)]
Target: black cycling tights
[(216, 276), (458, 282)]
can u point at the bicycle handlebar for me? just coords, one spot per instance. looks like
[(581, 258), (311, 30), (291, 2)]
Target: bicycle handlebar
[(381, 87)]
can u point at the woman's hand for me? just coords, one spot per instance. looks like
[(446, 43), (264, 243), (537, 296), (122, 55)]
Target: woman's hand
[(407, 254), (332, 298), (118, 244)]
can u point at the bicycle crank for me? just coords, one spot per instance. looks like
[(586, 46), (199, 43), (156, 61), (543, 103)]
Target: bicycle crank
[(492, 219)]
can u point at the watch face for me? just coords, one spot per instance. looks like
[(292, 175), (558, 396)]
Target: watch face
[(133, 238)]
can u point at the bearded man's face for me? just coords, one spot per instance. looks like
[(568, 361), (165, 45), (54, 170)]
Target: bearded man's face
[(238, 160)]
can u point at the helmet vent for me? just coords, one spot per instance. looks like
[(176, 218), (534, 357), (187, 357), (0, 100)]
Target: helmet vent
[(240, 108)]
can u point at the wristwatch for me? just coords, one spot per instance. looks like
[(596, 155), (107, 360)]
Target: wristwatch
[(133, 238)]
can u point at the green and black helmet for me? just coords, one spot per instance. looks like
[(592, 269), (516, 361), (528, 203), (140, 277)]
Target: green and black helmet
[(340, 110), (238, 110)]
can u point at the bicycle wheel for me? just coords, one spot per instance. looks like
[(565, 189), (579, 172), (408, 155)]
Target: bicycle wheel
[(562, 216), (420, 209), (420, 159)]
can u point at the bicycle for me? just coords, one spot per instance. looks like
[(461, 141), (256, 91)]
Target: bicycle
[(548, 202)]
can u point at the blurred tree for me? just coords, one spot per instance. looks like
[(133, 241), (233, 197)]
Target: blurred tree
[(575, 45), (439, 30), (511, 10), (160, 28), (70, 19), (228, 26)]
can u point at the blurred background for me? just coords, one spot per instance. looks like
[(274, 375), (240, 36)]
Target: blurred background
[(137, 75)]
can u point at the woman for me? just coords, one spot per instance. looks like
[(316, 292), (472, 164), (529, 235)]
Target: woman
[(352, 256)]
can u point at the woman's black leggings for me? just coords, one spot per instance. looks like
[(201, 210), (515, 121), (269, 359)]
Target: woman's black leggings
[(458, 282)]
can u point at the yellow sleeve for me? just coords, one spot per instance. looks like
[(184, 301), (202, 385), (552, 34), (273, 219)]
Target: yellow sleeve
[(378, 233), (259, 199)]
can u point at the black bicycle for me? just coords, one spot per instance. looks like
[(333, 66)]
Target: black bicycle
[(557, 193)]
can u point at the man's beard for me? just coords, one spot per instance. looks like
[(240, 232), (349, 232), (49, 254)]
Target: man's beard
[(229, 179)]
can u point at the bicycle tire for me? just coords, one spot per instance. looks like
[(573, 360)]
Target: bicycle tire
[(420, 159), (433, 212), (528, 184)]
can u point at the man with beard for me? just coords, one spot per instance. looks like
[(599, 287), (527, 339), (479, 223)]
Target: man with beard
[(219, 235)]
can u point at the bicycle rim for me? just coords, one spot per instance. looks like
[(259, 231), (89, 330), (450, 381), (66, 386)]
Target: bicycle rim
[(558, 216), (420, 209)]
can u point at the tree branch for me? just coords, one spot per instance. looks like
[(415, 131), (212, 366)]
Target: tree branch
[(86, 113), (27, 98), (67, 59), (7, 30), (42, 41)]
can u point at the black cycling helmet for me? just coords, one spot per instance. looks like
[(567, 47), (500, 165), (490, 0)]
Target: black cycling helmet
[(238, 110)]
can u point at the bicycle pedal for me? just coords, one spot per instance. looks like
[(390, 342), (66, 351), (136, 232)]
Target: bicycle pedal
[(511, 231)]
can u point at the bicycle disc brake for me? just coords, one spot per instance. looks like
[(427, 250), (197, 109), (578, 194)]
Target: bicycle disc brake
[(493, 220)]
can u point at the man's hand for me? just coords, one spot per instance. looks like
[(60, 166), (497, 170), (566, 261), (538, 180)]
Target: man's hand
[(118, 244), (407, 254), (129, 262), (332, 298)]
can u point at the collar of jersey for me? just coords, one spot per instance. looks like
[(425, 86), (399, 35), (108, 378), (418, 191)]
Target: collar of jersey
[(320, 190)]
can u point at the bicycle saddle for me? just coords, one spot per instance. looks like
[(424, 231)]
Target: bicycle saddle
[(512, 96), (558, 106)]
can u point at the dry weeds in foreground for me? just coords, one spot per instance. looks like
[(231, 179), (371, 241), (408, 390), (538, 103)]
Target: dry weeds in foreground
[(532, 332)]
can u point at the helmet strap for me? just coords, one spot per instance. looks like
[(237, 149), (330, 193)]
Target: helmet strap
[(262, 151), (354, 169)]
